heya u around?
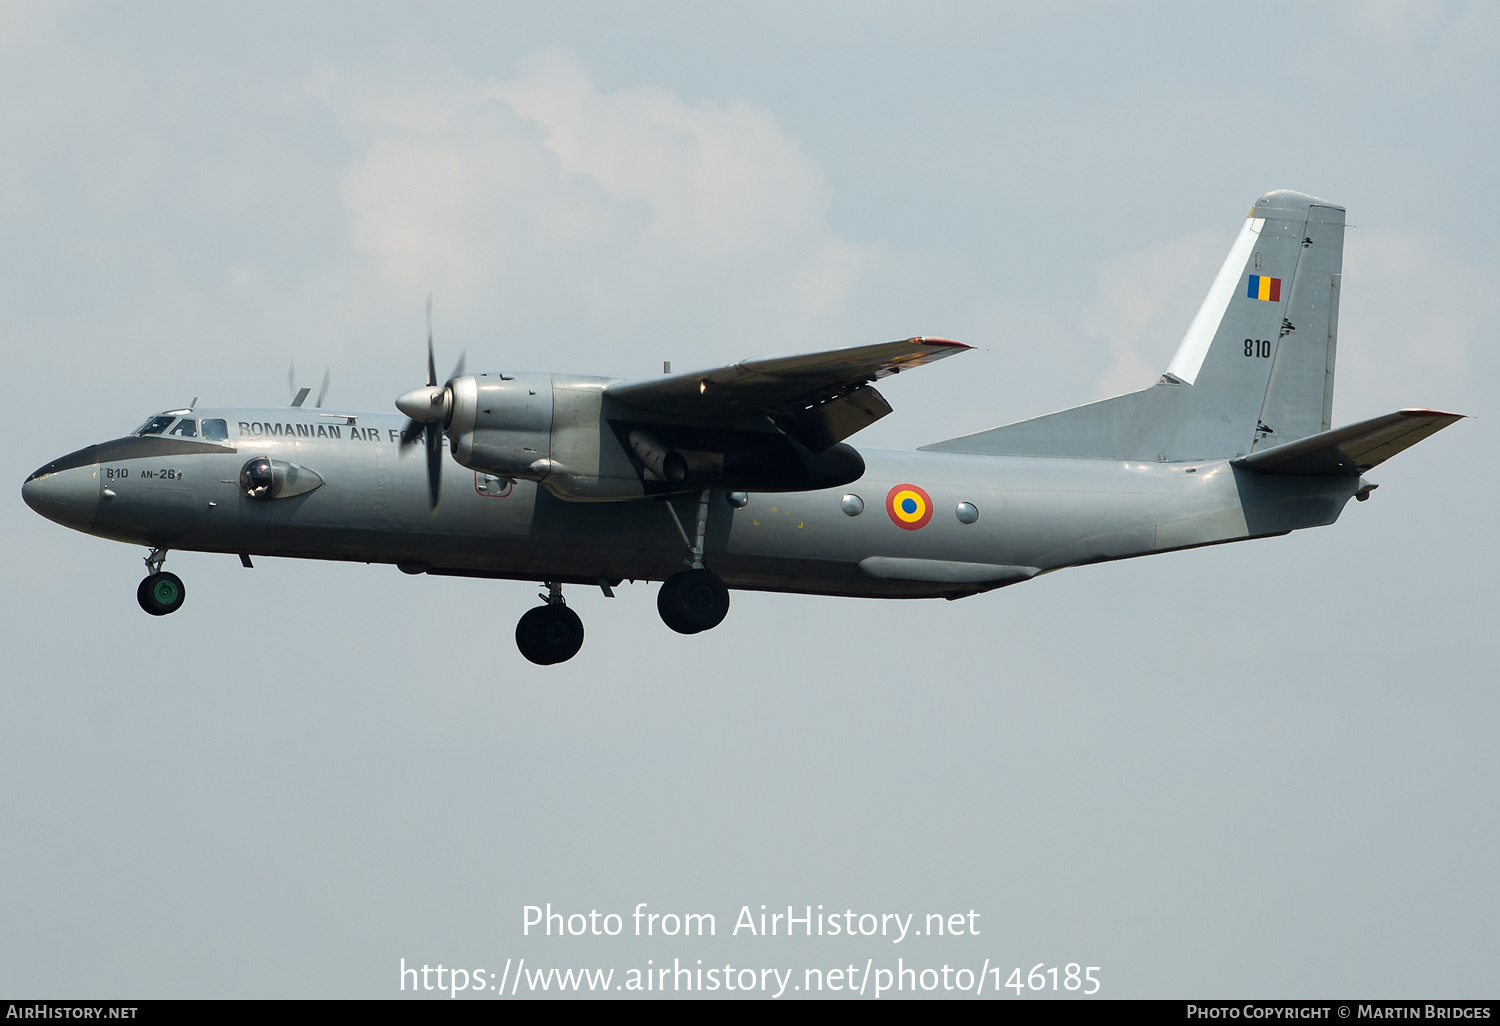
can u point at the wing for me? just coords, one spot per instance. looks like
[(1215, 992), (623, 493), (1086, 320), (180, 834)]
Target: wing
[(819, 398), (1353, 449)]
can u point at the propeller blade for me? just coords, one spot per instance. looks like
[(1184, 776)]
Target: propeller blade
[(458, 368), (323, 389), (424, 408), (434, 462), (291, 377), (431, 363)]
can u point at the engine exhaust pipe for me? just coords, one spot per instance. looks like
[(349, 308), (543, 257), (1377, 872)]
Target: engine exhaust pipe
[(667, 464)]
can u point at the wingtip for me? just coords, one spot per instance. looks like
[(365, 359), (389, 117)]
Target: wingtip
[(923, 340), (1424, 412)]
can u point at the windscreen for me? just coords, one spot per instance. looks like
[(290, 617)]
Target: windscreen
[(154, 426)]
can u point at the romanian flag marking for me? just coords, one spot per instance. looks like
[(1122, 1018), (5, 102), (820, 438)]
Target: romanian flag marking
[(908, 506), (1261, 287)]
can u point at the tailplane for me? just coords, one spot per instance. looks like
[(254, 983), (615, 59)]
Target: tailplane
[(1253, 371), (1353, 449)]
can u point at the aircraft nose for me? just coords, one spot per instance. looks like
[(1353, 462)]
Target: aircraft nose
[(66, 491)]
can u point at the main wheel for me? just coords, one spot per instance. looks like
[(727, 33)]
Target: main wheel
[(666, 607), (693, 601), (549, 634), (161, 593)]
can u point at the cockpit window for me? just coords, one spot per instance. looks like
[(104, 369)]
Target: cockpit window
[(154, 426), (215, 431), (186, 428)]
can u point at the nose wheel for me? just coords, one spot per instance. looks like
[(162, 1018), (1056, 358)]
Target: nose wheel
[(161, 593), (552, 633)]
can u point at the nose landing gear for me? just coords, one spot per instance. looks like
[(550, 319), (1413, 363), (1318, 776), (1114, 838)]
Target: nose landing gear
[(552, 633), (161, 592)]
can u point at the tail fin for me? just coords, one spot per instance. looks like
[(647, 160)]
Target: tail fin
[(1254, 370)]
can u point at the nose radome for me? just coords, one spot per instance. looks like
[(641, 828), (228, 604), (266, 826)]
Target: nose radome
[(69, 497)]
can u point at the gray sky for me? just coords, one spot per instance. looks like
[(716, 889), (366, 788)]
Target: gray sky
[(1256, 770)]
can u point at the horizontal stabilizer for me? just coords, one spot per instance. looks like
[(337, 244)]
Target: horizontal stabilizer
[(1353, 449)]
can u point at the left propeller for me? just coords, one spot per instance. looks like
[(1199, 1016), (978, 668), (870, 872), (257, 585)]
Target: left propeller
[(299, 395), (429, 410)]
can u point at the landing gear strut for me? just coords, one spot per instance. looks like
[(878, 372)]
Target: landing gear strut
[(552, 633), (161, 592), (697, 599)]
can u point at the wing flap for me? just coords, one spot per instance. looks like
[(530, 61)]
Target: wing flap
[(1353, 449)]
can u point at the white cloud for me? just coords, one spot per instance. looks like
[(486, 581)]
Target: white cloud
[(1419, 41), (1410, 312), (545, 204), (1144, 302), (719, 181), (1395, 23)]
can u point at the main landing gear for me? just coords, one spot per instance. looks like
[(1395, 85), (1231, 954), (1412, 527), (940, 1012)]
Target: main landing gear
[(161, 592), (552, 633), (689, 602), (693, 601), (697, 599)]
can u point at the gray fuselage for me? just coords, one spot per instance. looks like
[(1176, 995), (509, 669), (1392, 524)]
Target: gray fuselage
[(1035, 514)]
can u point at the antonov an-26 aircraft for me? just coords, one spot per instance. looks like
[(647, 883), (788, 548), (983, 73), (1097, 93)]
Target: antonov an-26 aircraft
[(740, 476)]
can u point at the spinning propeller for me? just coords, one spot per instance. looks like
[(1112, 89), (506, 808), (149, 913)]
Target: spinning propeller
[(429, 409), (299, 395)]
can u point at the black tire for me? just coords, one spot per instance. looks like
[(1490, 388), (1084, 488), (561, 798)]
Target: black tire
[(549, 634), (161, 593), (693, 601), (667, 604)]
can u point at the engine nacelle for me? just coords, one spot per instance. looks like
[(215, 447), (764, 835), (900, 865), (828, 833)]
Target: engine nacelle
[(562, 431), (501, 424), (541, 427)]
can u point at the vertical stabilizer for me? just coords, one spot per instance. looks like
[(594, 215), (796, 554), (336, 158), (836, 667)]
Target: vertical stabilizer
[(1299, 401), (1254, 370), (1259, 354)]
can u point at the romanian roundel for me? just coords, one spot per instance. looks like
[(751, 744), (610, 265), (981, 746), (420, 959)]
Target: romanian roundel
[(910, 507)]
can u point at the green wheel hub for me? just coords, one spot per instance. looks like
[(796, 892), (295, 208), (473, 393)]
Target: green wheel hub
[(161, 593)]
